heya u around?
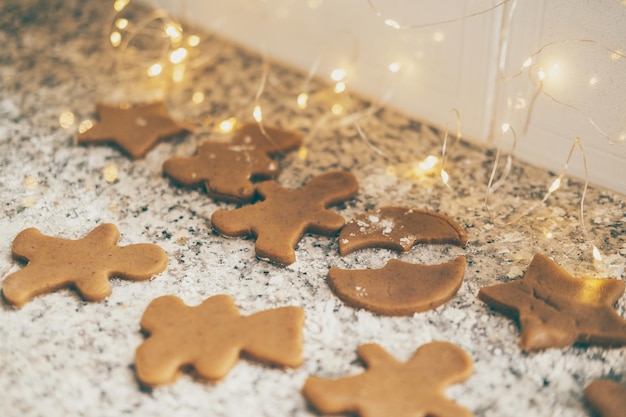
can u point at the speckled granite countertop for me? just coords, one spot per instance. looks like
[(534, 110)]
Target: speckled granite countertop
[(62, 356)]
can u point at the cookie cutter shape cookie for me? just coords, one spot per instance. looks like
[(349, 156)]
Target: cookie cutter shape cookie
[(606, 397), (211, 336), (134, 129), (400, 288), (85, 264), (399, 228), (229, 169), (555, 309), (392, 388), (281, 219)]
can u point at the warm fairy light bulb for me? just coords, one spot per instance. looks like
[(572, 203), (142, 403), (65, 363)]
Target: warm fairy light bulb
[(85, 125), (505, 127), (303, 153), (119, 5), (541, 74), (198, 97), (66, 119), (177, 56), (227, 125), (116, 39), (178, 74), (121, 23), (257, 114), (392, 23), (173, 31), (155, 69), (394, 67), (548, 234), (338, 74), (193, 40), (336, 109), (340, 87), (527, 63), (593, 81), (444, 176), (428, 163), (302, 100), (555, 185), (596, 253), (110, 173)]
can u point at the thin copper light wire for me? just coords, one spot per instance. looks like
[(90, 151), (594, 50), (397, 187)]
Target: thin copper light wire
[(444, 146)]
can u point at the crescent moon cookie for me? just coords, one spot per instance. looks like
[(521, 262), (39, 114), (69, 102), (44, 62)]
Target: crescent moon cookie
[(555, 309), (281, 219), (228, 170), (399, 228), (415, 388), (135, 130), (211, 336), (85, 264), (399, 288)]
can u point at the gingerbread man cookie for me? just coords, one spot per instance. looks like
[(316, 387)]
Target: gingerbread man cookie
[(391, 388), (211, 336), (85, 264), (134, 129), (229, 169), (279, 221), (555, 309)]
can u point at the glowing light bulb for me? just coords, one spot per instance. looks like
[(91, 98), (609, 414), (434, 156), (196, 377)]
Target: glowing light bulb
[(302, 100), (66, 119), (178, 74), (428, 163), (110, 173), (596, 253), (505, 127), (394, 67), (155, 69), (303, 153), (541, 74), (193, 40), (338, 74), (336, 109), (198, 97), (121, 23), (444, 176), (392, 23), (555, 185), (119, 5), (85, 125), (227, 125), (116, 39), (548, 234), (340, 87), (177, 56), (257, 114), (173, 31), (593, 81), (528, 62)]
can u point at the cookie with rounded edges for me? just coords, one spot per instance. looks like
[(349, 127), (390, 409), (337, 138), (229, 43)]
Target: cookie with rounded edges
[(399, 228), (555, 309), (84, 264), (606, 397), (281, 219), (388, 387), (136, 129), (211, 336), (399, 288), (229, 170)]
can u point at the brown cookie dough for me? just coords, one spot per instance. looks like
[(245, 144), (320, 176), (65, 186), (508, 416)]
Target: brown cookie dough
[(606, 397), (399, 228), (134, 129), (279, 221), (211, 336), (272, 140), (400, 288), (85, 264), (391, 388), (555, 309)]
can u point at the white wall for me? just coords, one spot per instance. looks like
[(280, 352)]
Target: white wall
[(457, 64)]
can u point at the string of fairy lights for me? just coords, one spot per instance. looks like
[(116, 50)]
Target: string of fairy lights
[(177, 53)]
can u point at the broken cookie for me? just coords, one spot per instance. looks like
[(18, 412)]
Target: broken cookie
[(279, 221), (85, 264), (400, 288), (399, 228), (228, 169), (392, 388), (555, 309), (134, 129), (211, 336), (606, 397)]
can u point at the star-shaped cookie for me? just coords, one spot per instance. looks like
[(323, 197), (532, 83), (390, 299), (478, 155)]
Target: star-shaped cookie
[(392, 388), (134, 129), (85, 264), (555, 309), (211, 336), (279, 221)]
